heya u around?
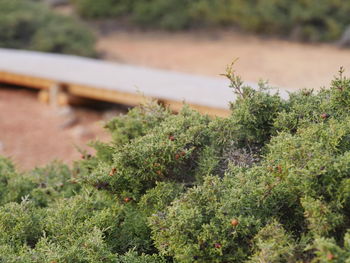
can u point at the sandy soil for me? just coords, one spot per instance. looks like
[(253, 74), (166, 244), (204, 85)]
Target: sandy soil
[(33, 134), (282, 63)]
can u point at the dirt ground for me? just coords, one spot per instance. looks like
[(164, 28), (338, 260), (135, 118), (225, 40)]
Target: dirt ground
[(32, 134), (283, 63)]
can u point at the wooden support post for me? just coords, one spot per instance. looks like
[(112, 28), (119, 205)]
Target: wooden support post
[(43, 96), (53, 95), (58, 96)]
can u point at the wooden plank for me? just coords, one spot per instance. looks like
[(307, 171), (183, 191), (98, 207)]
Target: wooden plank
[(134, 99), (113, 96), (105, 94), (115, 82), (25, 81), (175, 86)]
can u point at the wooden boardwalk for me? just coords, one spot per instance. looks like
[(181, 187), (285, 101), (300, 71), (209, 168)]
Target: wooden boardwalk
[(114, 82)]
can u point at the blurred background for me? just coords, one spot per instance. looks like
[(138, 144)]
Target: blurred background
[(293, 44)]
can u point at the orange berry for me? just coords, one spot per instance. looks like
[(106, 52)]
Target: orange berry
[(234, 222), (127, 199), (112, 172)]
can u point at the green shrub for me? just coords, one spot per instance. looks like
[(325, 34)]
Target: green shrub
[(165, 14), (138, 122), (19, 224), (42, 185), (132, 257), (169, 152), (89, 247), (197, 227), (269, 183), (272, 244), (254, 111), (328, 250), (300, 188), (30, 25), (64, 35), (105, 8), (312, 20)]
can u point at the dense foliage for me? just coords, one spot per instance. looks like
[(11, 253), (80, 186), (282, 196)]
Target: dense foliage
[(302, 19), (269, 183), (31, 25)]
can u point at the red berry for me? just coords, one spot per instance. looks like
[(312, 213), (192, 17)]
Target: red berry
[(182, 153), (171, 138), (325, 116), (87, 156), (217, 245), (234, 222), (330, 256), (279, 168), (177, 156)]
